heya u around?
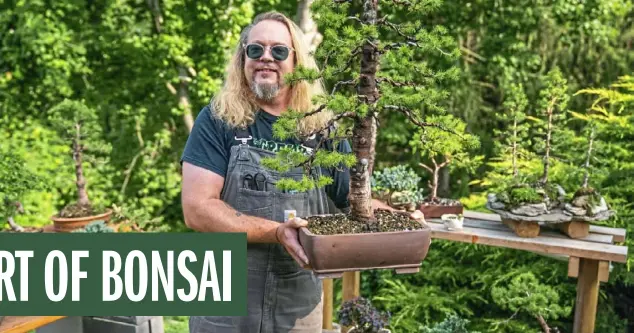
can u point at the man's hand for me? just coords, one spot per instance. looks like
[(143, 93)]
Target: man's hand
[(287, 234)]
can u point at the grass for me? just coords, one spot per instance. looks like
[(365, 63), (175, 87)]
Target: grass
[(176, 324)]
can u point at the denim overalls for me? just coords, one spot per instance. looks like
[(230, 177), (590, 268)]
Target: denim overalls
[(282, 297)]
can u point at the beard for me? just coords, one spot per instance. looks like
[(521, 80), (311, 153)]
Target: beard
[(265, 91)]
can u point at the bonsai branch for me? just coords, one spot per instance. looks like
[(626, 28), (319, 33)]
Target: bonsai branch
[(393, 26), (348, 63), (319, 109), (408, 113), (396, 83), (340, 83), (349, 114), (543, 323)]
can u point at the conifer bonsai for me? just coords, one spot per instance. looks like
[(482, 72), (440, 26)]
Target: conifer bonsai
[(398, 186), (526, 200), (441, 147), (78, 125), (373, 66), (587, 204), (16, 181)]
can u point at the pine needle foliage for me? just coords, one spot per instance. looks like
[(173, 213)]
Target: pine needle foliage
[(371, 66)]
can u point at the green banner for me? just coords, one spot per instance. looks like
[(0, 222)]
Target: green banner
[(115, 274)]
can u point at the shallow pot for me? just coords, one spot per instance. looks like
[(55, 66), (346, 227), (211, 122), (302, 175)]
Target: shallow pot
[(435, 211), (332, 255), (63, 224)]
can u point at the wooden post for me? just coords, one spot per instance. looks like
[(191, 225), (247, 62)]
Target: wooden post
[(328, 304), (351, 285), (587, 296)]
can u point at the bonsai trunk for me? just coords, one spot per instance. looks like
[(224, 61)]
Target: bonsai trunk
[(515, 171), (549, 130), (435, 172), (586, 166), (82, 194), (364, 133)]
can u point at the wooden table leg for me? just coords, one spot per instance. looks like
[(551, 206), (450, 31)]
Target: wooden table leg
[(351, 285), (587, 296), (328, 304)]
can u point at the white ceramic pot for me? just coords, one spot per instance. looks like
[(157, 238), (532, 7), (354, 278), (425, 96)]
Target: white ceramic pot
[(452, 221)]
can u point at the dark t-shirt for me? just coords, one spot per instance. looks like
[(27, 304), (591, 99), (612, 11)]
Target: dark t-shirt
[(209, 147)]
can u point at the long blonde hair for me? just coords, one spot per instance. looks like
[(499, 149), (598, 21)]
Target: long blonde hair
[(235, 103)]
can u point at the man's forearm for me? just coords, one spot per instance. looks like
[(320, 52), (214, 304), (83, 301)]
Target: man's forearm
[(215, 215)]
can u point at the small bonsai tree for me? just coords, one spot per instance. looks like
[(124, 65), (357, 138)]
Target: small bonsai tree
[(374, 66), (399, 180), (536, 193), (78, 125), (441, 147), (362, 316), (515, 135), (16, 181)]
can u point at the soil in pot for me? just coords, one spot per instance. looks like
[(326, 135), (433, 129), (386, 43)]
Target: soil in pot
[(345, 224), (437, 207)]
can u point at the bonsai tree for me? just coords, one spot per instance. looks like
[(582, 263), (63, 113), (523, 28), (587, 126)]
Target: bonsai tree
[(78, 125), (359, 314), (400, 181), (587, 203), (441, 147), (516, 132), (15, 182), (374, 66), (534, 196)]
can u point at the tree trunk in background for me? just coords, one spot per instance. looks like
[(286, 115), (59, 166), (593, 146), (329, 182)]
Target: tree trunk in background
[(305, 21), (183, 99)]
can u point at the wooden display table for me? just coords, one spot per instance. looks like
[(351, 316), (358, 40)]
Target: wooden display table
[(588, 258)]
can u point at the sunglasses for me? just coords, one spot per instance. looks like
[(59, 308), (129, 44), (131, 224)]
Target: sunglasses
[(279, 52)]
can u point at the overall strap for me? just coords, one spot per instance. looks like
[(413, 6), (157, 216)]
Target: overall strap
[(242, 134)]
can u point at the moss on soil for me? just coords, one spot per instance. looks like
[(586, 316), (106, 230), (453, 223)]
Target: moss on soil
[(344, 223)]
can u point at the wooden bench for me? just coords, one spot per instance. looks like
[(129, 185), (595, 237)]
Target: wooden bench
[(23, 324), (589, 258)]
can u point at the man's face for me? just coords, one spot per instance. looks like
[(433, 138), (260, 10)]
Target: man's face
[(265, 74)]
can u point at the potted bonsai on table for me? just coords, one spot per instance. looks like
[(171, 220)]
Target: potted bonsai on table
[(442, 146), (16, 180), (398, 187), (78, 125), (354, 46), (523, 202), (587, 204)]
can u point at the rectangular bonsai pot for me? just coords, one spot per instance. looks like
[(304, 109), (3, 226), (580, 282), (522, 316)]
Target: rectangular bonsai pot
[(332, 255), (437, 211)]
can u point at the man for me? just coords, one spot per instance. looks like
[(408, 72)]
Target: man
[(226, 189)]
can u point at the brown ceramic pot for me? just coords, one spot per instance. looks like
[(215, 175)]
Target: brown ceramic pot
[(436, 211), (62, 224), (332, 255)]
